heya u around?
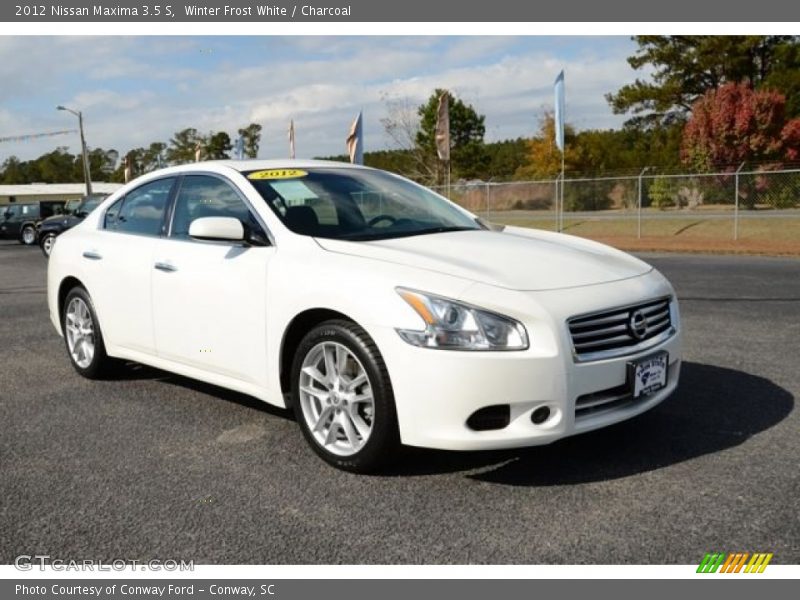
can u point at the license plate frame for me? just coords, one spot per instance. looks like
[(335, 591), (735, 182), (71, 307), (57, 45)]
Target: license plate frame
[(642, 381)]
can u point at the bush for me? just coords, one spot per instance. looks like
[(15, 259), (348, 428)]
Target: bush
[(663, 193)]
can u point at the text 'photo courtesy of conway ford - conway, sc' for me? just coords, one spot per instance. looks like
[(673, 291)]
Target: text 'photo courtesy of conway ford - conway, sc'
[(381, 312)]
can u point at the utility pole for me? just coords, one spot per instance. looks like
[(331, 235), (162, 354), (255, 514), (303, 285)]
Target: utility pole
[(86, 174)]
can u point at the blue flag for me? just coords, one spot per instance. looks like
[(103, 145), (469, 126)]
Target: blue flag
[(239, 147), (558, 114)]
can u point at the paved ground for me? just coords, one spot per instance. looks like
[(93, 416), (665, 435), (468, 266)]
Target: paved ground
[(157, 466)]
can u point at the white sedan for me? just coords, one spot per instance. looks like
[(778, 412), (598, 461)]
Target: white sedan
[(382, 313)]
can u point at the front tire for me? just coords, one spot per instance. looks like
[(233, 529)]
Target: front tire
[(82, 335), (343, 399), (46, 243)]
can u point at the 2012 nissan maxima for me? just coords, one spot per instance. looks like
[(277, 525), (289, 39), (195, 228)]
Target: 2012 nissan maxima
[(380, 311)]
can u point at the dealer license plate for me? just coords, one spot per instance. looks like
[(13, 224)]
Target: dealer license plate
[(648, 375)]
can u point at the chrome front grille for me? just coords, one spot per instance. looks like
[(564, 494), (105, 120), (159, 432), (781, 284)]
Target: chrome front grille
[(609, 399), (620, 331)]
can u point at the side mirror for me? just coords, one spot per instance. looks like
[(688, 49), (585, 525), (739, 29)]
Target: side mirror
[(217, 228)]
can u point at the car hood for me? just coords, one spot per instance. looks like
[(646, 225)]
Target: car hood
[(66, 220), (515, 258)]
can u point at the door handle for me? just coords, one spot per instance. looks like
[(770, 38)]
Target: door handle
[(91, 255), (166, 267)]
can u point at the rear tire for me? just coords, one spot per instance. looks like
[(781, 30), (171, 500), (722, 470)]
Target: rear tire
[(82, 336), (27, 235), (342, 398)]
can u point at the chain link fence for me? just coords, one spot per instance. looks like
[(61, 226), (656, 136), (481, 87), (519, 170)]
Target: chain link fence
[(731, 205)]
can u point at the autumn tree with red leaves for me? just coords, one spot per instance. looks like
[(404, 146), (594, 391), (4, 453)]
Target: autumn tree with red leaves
[(734, 124)]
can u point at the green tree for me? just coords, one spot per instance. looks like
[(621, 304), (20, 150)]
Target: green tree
[(544, 158), (685, 67), (505, 157), (183, 145), (153, 157), (467, 152), (252, 139), (102, 163), (217, 146), (58, 166), (13, 171)]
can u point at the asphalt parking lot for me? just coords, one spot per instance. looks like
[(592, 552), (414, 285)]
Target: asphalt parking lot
[(157, 466)]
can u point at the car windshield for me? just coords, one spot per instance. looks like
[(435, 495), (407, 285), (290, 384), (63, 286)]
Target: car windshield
[(88, 205), (355, 204)]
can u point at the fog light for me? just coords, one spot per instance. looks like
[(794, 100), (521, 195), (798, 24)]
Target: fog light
[(540, 415)]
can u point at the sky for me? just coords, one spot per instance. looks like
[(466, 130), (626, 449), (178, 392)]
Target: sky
[(136, 90)]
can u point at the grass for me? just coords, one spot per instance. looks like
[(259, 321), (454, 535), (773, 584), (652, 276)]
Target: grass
[(778, 236)]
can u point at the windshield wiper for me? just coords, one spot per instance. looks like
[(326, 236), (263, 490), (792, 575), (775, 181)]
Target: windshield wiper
[(390, 235), (442, 230)]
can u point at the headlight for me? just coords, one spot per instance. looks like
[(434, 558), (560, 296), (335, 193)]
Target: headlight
[(455, 326)]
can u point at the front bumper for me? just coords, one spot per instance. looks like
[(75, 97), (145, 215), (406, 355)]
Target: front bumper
[(436, 391)]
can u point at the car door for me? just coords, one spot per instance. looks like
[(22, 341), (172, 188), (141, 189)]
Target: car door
[(209, 297), (118, 263)]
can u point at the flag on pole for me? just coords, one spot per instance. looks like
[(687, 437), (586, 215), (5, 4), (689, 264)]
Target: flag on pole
[(443, 127), (239, 147), (355, 141), (558, 115), (128, 170), (291, 138)]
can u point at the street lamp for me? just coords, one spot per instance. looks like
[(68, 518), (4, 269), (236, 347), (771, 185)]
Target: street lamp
[(86, 174)]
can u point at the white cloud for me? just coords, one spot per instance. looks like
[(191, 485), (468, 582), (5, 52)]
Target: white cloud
[(138, 90)]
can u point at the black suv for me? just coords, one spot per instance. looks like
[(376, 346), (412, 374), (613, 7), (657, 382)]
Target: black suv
[(75, 212), (18, 221)]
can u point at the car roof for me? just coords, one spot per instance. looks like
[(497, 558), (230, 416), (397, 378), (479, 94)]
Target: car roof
[(258, 164)]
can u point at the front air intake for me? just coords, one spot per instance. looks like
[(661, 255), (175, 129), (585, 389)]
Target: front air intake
[(488, 418)]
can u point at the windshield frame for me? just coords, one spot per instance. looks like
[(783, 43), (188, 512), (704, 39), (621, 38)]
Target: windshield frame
[(443, 215)]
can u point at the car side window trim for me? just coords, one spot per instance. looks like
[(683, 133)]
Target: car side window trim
[(121, 202), (170, 213)]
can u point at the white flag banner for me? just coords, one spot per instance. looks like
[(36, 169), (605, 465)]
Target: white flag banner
[(355, 141), (558, 114), (291, 138)]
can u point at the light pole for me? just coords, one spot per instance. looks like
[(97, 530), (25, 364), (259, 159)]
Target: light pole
[(86, 174)]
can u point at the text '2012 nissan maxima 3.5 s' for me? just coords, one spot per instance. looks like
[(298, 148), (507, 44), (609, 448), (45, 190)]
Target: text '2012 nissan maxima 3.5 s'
[(381, 312)]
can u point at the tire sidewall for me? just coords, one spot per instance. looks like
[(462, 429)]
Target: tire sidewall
[(94, 369), (384, 437), (43, 241), (22, 235)]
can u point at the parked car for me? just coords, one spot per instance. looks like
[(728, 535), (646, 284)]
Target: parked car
[(75, 211), (381, 312), (18, 220)]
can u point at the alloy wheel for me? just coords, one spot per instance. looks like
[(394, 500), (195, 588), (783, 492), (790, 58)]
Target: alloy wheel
[(336, 398), (80, 332), (47, 244)]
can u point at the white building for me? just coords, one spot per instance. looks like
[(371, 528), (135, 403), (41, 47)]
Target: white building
[(37, 192)]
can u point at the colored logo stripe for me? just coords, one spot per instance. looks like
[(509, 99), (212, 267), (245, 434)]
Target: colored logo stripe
[(711, 562), (734, 562), (758, 563)]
